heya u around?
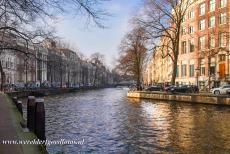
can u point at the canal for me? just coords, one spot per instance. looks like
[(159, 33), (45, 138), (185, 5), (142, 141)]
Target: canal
[(106, 121)]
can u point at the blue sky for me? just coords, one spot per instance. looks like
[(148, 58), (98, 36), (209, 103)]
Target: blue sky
[(93, 39)]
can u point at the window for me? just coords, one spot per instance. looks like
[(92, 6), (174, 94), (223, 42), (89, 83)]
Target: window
[(202, 43), (202, 24), (191, 46), (211, 21), (191, 30), (212, 5), (183, 20), (211, 41), (223, 3), (202, 9), (191, 14), (183, 70), (221, 58), (212, 70), (3, 63), (222, 40), (183, 47), (191, 70), (8, 63), (183, 30), (222, 18), (202, 67)]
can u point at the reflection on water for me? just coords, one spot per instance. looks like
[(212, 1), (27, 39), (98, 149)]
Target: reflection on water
[(110, 122)]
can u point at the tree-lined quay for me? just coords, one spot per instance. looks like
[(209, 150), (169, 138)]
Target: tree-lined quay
[(187, 44), (53, 66), (193, 46), (30, 56)]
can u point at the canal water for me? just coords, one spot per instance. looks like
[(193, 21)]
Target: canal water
[(106, 121)]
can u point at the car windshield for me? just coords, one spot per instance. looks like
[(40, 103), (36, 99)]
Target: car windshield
[(227, 86)]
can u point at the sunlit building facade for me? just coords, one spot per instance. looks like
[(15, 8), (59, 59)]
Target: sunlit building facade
[(204, 47)]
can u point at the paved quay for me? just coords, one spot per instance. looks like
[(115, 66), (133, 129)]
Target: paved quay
[(204, 98), (11, 130), (7, 128)]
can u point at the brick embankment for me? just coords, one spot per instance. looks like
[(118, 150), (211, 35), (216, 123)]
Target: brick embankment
[(11, 130), (191, 98)]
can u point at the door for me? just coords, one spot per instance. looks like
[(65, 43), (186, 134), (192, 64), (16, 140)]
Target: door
[(222, 70)]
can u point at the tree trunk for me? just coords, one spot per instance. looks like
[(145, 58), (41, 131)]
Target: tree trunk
[(61, 77), (176, 54), (68, 79), (26, 73), (139, 80), (95, 76), (138, 84), (174, 72), (3, 76), (51, 76)]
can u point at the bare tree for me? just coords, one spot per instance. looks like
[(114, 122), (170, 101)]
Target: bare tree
[(162, 20), (97, 60), (133, 53), (22, 17)]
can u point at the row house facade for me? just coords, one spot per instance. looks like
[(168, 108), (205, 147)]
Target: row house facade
[(19, 66), (49, 65), (204, 47), (65, 68)]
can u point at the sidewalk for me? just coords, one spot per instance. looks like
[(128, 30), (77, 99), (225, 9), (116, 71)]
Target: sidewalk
[(11, 130), (7, 128)]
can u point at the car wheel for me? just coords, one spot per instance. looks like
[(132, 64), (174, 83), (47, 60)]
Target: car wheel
[(217, 92)]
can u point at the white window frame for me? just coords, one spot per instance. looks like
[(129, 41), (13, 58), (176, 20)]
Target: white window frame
[(202, 24), (191, 29), (202, 43), (191, 14), (223, 3), (212, 5), (202, 9), (211, 41), (222, 18), (222, 40), (211, 22)]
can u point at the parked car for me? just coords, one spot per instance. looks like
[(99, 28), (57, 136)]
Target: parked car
[(228, 92), (19, 86), (8, 87), (221, 90), (154, 88), (169, 88), (179, 89), (45, 85), (193, 89), (182, 89)]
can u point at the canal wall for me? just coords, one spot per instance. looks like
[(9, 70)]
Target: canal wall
[(191, 98), (44, 92)]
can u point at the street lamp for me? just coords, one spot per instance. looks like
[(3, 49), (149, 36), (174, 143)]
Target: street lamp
[(197, 73)]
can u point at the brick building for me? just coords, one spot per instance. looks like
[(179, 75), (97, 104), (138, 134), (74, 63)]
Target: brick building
[(204, 48)]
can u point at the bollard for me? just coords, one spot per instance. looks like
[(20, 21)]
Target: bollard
[(15, 100), (19, 106), (40, 119), (31, 113)]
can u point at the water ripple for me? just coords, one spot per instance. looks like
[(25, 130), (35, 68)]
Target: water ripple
[(111, 123)]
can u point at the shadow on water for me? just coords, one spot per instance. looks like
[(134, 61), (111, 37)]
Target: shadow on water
[(109, 122)]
